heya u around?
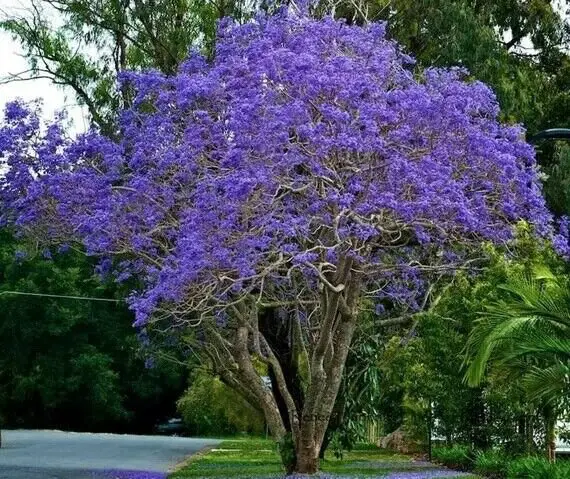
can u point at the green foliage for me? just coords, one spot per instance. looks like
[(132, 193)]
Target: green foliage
[(125, 36), (421, 368), (73, 364), (496, 465), (287, 452), (209, 407), (557, 185), (456, 457), (525, 335), (432, 385), (339, 444), (491, 464), (530, 468), (537, 468)]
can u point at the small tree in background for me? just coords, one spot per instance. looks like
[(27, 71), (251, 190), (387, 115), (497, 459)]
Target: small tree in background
[(301, 171), (525, 337), (209, 407)]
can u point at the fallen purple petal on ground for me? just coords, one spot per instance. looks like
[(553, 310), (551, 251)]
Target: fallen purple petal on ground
[(433, 474), (117, 474), (406, 465)]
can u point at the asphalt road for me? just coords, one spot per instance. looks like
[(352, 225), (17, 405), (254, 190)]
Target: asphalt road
[(67, 455)]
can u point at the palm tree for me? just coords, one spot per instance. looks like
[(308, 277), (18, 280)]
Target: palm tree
[(527, 336)]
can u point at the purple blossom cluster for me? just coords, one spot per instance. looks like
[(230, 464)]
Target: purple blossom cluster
[(560, 239), (304, 142)]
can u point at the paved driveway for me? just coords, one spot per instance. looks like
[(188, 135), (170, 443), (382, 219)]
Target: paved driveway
[(68, 455)]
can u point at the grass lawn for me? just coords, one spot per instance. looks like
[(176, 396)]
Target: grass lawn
[(250, 458)]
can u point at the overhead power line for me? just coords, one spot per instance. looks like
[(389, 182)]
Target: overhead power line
[(84, 298)]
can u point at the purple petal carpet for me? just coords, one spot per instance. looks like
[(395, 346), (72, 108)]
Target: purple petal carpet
[(412, 470), (433, 473), (429, 472), (117, 474)]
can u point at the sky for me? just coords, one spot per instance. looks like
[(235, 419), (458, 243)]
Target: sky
[(11, 62)]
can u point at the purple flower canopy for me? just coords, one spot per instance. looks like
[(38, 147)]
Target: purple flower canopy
[(303, 142)]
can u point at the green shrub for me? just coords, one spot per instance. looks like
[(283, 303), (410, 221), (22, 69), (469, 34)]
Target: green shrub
[(538, 468), (288, 453), (492, 464), (455, 457), (209, 407)]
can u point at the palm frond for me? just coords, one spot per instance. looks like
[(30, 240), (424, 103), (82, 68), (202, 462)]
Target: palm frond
[(484, 346), (540, 344), (547, 385), (533, 319)]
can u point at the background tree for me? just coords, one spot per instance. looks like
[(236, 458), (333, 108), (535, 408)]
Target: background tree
[(85, 45), (73, 364), (518, 47), (209, 407), (421, 372), (525, 336)]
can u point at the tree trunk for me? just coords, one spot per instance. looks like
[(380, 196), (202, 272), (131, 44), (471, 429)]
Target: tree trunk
[(335, 422), (319, 404), (479, 437), (529, 433), (307, 463), (550, 427), (307, 456), (551, 449), (297, 415)]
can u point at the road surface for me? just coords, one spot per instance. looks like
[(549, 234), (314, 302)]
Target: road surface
[(67, 455)]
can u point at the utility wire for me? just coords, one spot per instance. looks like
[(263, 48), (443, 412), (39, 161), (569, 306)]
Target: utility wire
[(85, 298)]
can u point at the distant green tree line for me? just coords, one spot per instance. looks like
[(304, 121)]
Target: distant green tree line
[(74, 364)]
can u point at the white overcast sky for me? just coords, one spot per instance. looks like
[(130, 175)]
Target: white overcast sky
[(54, 98), (11, 62)]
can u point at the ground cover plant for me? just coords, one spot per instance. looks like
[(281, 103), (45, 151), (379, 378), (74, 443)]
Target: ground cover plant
[(537, 468), (457, 457), (491, 464), (495, 464)]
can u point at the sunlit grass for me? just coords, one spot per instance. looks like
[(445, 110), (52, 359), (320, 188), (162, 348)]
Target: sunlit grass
[(259, 458)]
